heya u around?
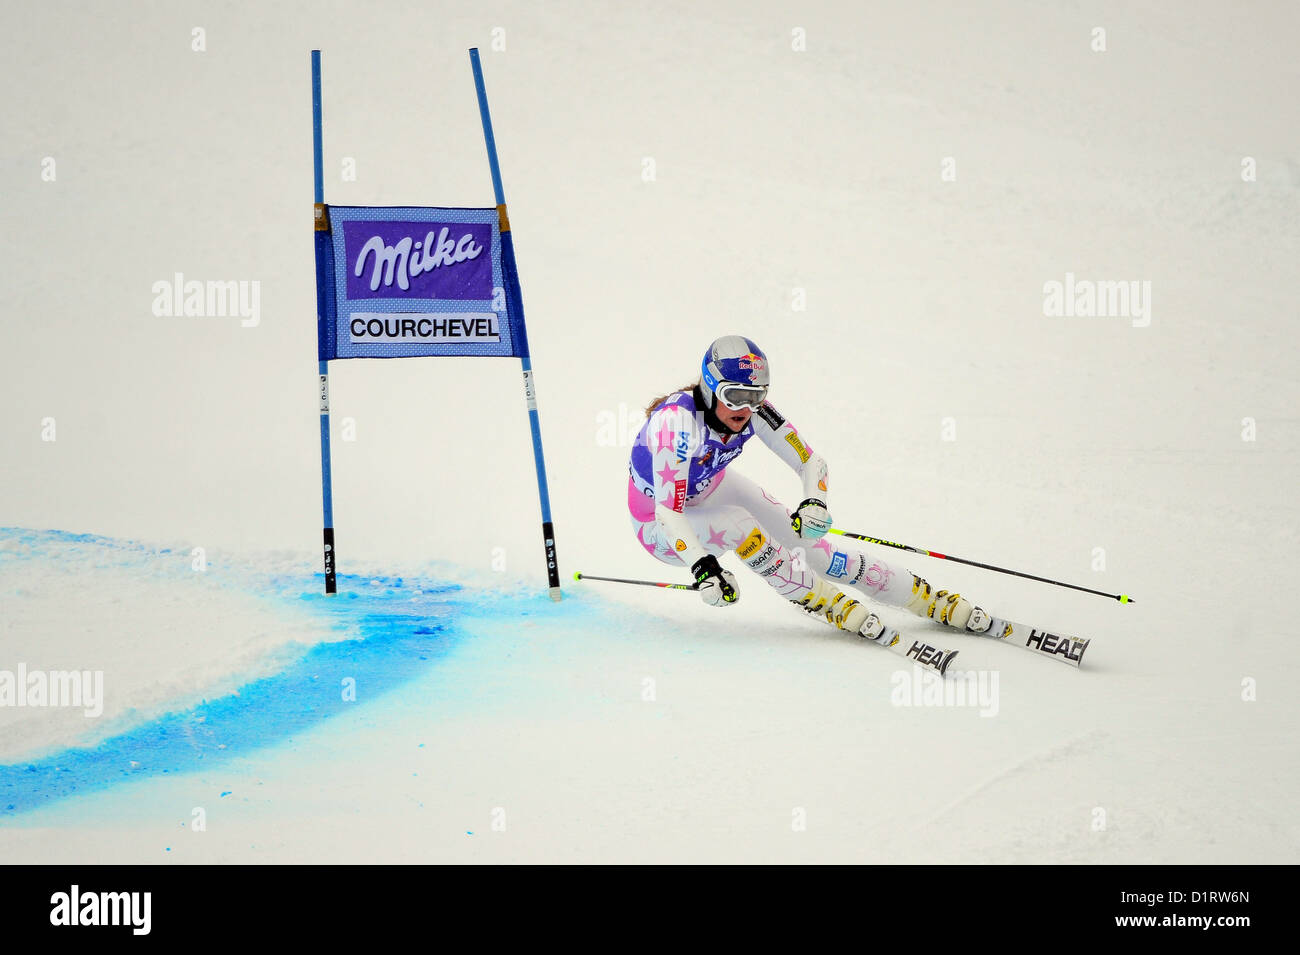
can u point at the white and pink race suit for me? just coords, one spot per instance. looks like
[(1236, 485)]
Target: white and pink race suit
[(684, 504)]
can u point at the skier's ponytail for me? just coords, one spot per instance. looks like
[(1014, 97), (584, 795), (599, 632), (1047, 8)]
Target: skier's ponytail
[(650, 408)]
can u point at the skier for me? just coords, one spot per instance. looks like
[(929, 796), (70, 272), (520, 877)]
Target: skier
[(688, 509)]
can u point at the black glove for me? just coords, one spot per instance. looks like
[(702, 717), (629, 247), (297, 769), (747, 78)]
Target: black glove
[(717, 586)]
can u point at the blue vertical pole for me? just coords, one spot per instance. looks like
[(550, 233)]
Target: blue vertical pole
[(322, 240), (515, 306)]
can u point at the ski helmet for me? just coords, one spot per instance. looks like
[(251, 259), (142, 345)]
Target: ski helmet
[(734, 371)]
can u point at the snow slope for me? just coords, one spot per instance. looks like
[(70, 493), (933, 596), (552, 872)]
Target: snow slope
[(477, 699)]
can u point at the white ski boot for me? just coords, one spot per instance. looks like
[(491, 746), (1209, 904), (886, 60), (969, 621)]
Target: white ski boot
[(980, 621), (842, 611), (983, 622), (848, 613), (951, 609)]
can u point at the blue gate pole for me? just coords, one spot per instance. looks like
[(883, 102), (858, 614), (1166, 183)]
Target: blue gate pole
[(515, 306), (322, 240)]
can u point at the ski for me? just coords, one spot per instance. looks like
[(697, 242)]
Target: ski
[(1068, 649), (918, 651)]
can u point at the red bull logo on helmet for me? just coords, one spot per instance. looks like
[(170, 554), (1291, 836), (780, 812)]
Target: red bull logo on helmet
[(753, 364)]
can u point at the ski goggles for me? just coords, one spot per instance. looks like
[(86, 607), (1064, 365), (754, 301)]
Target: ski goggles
[(736, 396)]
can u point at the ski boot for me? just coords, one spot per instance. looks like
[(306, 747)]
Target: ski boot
[(843, 612), (984, 623), (848, 613), (950, 609)]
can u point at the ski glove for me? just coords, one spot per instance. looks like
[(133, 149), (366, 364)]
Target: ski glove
[(811, 520), (717, 587)]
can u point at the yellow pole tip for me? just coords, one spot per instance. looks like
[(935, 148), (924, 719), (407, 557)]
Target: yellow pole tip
[(577, 575)]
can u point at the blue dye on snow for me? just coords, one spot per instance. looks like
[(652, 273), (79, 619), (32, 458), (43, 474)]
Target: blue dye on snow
[(264, 712), (398, 642)]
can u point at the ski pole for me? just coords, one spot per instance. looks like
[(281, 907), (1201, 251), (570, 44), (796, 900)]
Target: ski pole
[(579, 575), (1122, 598)]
